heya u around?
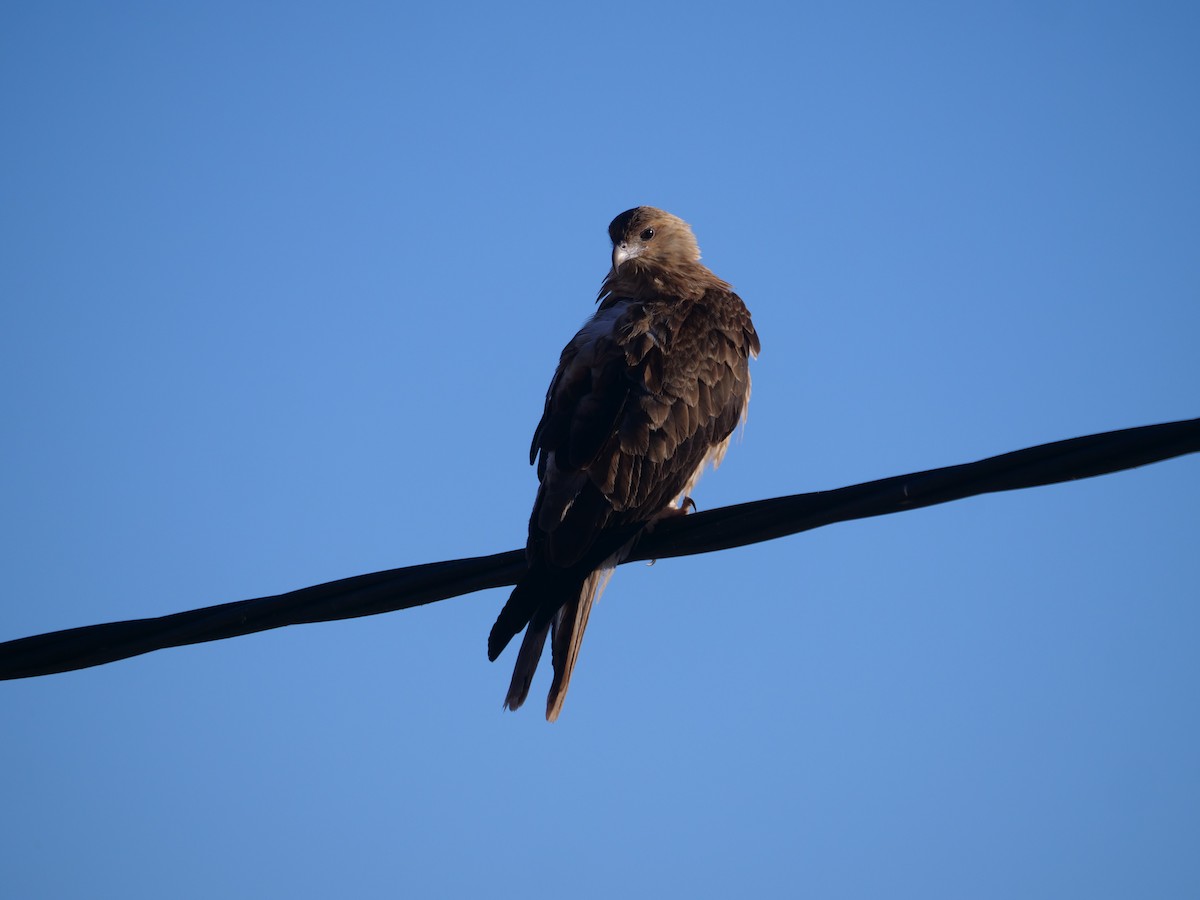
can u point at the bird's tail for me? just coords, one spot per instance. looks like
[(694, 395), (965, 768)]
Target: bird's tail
[(567, 629), (551, 602)]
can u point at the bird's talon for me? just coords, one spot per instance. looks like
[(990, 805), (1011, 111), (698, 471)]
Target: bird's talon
[(672, 512)]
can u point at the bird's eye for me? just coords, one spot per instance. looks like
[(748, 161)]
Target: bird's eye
[(647, 234)]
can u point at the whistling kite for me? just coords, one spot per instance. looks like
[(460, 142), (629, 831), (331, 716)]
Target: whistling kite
[(646, 394)]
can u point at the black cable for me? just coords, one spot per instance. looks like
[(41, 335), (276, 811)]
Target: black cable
[(704, 532)]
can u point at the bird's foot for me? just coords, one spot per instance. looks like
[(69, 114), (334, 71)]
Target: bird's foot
[(672, 512)]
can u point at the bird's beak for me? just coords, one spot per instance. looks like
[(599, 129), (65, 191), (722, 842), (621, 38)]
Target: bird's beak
[(621, 252)]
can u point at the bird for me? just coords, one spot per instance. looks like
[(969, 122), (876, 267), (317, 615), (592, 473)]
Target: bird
[(646, 395)]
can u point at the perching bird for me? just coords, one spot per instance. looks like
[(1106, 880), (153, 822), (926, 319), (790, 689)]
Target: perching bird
[(646, 394)]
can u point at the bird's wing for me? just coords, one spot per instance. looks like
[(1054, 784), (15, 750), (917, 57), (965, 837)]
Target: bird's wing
[(644, 395)]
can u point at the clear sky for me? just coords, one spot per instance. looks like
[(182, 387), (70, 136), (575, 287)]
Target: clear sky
[(283, 286)]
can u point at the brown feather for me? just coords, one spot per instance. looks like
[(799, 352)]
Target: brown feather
[(645, 396)]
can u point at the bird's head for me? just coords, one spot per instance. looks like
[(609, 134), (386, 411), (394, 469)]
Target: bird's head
[(646, 237)]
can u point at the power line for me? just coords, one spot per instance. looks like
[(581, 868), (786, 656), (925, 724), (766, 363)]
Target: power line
[(703, 532)]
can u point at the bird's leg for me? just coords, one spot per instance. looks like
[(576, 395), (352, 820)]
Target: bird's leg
[(682, 509), (672, 511)]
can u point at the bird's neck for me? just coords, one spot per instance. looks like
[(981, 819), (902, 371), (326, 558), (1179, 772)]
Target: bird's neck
[(649, 283)]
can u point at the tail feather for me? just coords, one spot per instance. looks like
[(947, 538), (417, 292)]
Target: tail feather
[(548, 600), (517, 611), (567, 627), (527, 662), (536, 597), (534, 603)]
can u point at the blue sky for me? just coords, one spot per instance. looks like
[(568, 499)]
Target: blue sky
[(283, 287)]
